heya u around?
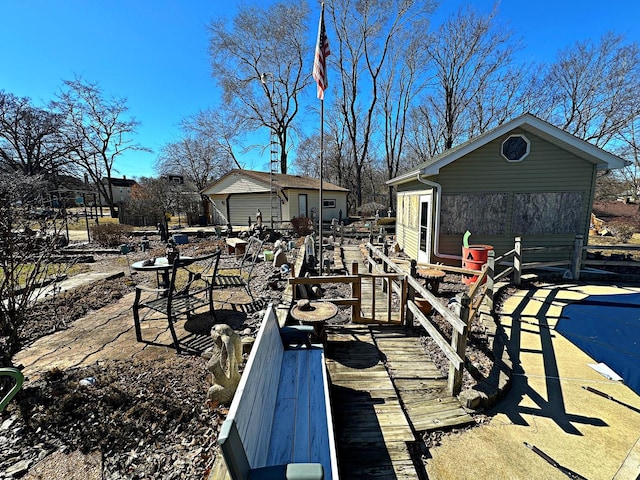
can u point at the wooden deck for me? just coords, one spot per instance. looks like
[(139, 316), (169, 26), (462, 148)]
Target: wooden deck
[(379, 411), (420, 385), (372, 433)]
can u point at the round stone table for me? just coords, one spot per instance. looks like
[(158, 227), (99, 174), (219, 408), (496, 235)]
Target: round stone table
[(432, 278), (315, 314)]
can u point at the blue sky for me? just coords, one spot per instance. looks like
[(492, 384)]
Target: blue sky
[(154, 52)]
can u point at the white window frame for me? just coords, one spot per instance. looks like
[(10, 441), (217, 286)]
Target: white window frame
[(526, 153)]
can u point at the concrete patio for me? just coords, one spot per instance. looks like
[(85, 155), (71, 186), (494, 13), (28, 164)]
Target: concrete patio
[(547, 405)]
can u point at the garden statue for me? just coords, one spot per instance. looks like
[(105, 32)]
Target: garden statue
[(223, 364), (172, 252)]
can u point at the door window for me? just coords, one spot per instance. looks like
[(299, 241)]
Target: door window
[(302, 205)]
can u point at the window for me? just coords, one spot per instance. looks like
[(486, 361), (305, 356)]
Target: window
[(515, 148), (329, 203)]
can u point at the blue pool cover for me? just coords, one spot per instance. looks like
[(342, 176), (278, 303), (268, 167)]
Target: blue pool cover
[(607, 328)]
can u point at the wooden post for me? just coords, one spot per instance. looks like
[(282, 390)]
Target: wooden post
[(411, 294), (577, 257), (517, 262), (356, 292), (385, 269), (370, 258), (459, 344), (491, 266)]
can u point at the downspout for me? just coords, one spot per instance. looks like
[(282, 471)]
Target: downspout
[(436, 243)]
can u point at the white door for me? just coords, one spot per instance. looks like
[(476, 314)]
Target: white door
[(424, 229)]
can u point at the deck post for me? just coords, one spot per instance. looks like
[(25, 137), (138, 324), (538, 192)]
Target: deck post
[(577, 257), (385, 268), (459, 344), (356, 292), (517, 262), (411, 294), (491, 265)]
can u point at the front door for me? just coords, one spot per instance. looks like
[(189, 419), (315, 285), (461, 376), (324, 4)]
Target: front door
[(424, 247)]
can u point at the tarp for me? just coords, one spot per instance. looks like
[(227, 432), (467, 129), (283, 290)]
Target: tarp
[(607, 328)]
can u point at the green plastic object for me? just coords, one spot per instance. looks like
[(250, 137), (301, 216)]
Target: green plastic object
[(19, 378), (465, 239)]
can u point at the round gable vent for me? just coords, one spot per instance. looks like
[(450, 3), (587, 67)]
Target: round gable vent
[(515, 148)]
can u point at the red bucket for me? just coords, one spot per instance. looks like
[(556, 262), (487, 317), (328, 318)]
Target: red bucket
[(473, 258)]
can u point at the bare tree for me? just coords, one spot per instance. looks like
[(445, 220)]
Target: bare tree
[(98, 130), (258, 60), (471, 58), (400, 85), (424, 135), (591, 90), (307, 156), (220, 127), (338, 167), (365, 31), (26, 248), (197, 158), (630, 150), (30, 138)]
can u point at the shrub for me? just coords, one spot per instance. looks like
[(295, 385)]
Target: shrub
[(622, 232), (302, 226), (387, 221), (110, 234), (370, 209)]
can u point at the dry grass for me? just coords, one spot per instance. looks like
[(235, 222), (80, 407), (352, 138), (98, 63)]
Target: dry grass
[(607, 241)]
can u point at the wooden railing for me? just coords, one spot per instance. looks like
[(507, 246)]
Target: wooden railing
[(573, 261), (454, 349), (407, 287), (355, 280), (400, 277)]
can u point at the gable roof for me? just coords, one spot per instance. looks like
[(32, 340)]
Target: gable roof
[(280, 181), (531, 124), (120, 182)]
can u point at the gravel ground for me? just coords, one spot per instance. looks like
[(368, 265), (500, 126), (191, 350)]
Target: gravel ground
[(143, 419)]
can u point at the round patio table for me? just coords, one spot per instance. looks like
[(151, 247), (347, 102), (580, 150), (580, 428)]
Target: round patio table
[(314, 314), (160, 265), (432, 278)]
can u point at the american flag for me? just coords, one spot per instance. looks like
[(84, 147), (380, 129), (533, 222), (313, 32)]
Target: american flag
[(320, 62)]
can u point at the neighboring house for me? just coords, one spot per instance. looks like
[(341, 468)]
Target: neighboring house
[(121, 188), (524, 178), (68, 191), (240, 193)]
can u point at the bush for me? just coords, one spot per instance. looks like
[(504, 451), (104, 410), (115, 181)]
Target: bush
[(302, 226), (110, 234), (370, 209), (622, 232), (387, 221)]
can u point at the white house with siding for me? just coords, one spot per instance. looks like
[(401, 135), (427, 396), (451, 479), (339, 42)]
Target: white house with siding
[(238, 195)]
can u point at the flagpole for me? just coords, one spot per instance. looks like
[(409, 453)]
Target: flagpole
[(321, 164), (320, 76)]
